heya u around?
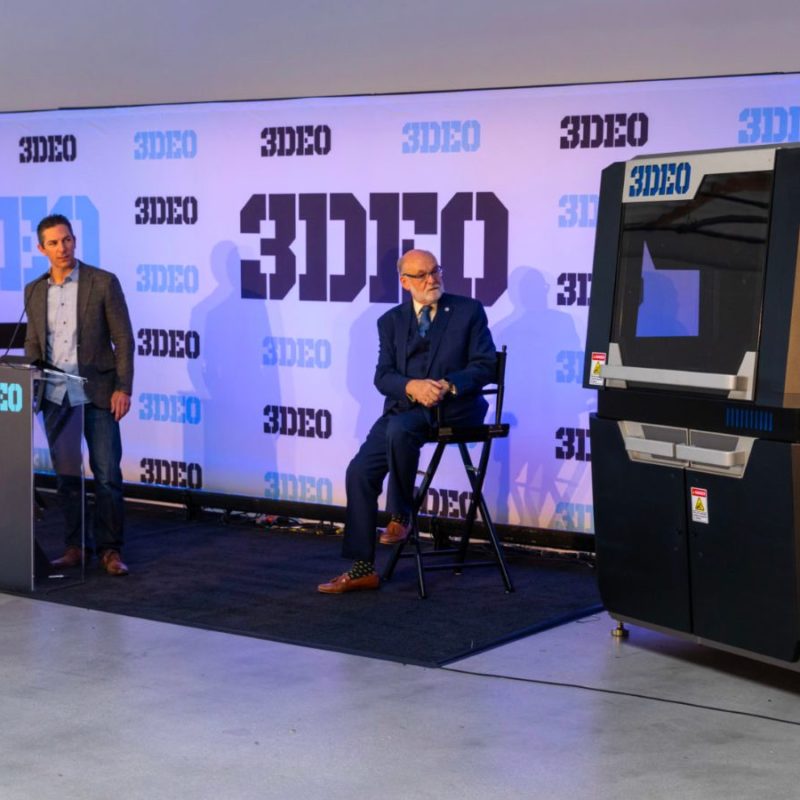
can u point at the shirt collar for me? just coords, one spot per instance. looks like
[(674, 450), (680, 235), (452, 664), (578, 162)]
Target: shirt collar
[(73, 276), (419, 306)]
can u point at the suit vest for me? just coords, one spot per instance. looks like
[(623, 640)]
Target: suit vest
[(417, 352)]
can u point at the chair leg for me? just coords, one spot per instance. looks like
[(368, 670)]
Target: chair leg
[(477, 503), (397, 551), (498, 551), (419, 498), (418, 558), (388, 570), (476, 478), (477, 487)]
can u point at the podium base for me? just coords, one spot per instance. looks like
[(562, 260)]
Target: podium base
[(41, 563)]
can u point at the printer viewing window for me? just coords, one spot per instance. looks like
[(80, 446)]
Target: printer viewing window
[(690, 276)]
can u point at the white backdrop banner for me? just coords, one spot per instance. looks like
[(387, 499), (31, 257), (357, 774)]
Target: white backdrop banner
[(256, 243)]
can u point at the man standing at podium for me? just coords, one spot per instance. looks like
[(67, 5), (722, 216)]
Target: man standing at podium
[(78, 321)]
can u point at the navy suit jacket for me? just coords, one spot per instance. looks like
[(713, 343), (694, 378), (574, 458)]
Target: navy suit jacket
[(461, 351)]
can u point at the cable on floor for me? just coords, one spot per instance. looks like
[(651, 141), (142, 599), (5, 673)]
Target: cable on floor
[(621, 693)]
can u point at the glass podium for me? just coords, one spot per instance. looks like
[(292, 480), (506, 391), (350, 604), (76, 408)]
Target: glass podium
[(42, 494)]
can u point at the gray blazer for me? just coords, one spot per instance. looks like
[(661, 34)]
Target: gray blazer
[(105, 335)]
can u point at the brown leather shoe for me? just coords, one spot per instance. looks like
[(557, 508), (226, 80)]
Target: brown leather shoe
[(73, 556), (344, 583), (395, 533), (112, 563)]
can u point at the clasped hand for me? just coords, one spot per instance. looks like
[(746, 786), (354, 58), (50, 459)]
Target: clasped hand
[(426, 391)]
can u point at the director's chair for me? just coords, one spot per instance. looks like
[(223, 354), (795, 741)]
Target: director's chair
[(441, 436)]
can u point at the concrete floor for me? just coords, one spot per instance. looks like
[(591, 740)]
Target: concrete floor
[(95, 706)]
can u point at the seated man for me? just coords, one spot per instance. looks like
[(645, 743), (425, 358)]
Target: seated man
[(435, 347)]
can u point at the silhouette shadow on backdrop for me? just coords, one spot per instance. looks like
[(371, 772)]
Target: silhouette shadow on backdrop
[(233, 384), (543, 394)]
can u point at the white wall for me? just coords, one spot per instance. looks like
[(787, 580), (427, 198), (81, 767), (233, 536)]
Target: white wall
[(113, 52)]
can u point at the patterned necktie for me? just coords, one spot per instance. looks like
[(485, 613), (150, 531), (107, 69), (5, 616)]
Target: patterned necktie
[(424, 321)]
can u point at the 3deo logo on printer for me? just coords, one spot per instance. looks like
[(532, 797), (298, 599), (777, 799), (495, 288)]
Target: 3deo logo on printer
[(660, 180)]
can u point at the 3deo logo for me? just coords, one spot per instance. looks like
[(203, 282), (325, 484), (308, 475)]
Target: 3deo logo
[(569, 366), (172, 278), (48, 149), (180, 408), (166, 211), (10, 397), (161, 343), (299, 488), (19, 216), (164, 144), (573, 444), (609, 130), (306, 422), (452, 503), (281, 351), (769, 125), (574, 517), (387, 211), (574, 288), (178, 474), (660, 180), (450, 136), (300, 140), (579, 210)]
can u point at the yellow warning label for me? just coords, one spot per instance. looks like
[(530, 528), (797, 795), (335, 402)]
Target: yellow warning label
[(699, 504), (595, 373)]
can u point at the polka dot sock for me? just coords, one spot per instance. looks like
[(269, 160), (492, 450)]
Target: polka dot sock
[(361, 569)]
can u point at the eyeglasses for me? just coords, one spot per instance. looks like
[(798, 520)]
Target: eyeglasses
[(423, 276)]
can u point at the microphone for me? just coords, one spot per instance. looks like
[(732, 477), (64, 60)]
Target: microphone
[(24, 311)]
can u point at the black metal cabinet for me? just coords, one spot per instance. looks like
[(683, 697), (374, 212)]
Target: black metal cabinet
[(744, 560), (640, 523), (721, 565)]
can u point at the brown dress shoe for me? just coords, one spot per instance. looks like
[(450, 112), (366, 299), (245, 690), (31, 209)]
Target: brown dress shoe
[(395, 533), (112, 563), (344, 583), (73, 556)]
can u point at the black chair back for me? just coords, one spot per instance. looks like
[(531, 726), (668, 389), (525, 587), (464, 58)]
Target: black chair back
[(496, 387), (499, 387)]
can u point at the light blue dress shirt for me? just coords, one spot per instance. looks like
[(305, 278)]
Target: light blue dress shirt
[(62, 340)]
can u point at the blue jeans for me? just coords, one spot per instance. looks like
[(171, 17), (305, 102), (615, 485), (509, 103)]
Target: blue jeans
[(62, 425)]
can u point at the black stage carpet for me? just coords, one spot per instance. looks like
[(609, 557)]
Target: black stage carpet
[(245, 579)]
